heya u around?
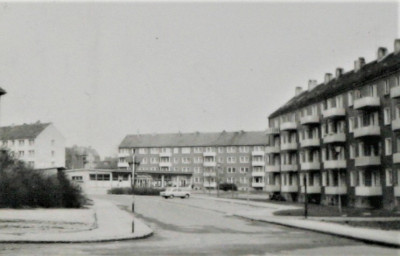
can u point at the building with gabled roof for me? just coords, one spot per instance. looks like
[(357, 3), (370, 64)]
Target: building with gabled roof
[(340, 138), (201, 160), (40, 145)]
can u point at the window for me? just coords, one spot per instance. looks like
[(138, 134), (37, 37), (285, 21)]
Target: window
[(351, 124), (352, 151), (388, 146), (21, 142), (244, 169), (176, 150), (324, 178), (154, 150), (52, 153), (31, 142), (197, 150), (389, 177), (53, 142), (185, 160), (231, 159), (231, 170), (142, 150), (220, 150), (231, 150), (31, 164), (387, 116), (350, 96), (386, 88), (31, 152), (21, 153), (352, 178), (185, 150)]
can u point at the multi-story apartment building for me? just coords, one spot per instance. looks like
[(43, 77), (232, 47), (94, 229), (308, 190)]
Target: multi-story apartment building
[(342, 137), (40, 145), (201, 160)]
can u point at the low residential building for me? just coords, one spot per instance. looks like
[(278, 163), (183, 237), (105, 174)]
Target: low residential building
[(99, 181), (200, 160), (40, 145), (78, 157), (341, 137)]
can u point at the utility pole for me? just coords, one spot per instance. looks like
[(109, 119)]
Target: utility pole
[(339, 196), (218, 169), (305, 197)]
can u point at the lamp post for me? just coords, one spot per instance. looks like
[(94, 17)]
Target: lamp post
[(217, 173), (305, 197), (134, 165)]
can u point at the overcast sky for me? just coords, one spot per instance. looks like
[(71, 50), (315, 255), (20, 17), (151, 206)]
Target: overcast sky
[(99, 71)]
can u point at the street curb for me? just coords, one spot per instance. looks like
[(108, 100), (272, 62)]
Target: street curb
[(370, 241), (75, 242)]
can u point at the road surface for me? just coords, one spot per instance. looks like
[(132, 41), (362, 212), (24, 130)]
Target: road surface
[(202, 227)]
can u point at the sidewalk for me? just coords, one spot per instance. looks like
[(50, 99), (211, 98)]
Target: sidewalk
[(265, 214), (113, 224)]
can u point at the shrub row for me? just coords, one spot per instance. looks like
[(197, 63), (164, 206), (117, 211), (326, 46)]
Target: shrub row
[(22, 186), (136, 191)]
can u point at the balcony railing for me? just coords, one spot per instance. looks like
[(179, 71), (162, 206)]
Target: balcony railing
[(336, 190), (272, 168), (272, 188), (396, 124), (335, 164), (257, 174), (273, 149), (396, 158), (316, 189), (310, 166), (334, 113), (257, 153), (272, 131), (288, 167), (397, 190), (165, 154), (258, 184), (313, 142), (369, 191), (258, 163), (395, 92), (209, 154), (209, 164), (209, 174), (123, 165), (287, 126), (289, 146), (123, 154), (311, 119), (289, 188), (367, 161), (165, 164), (367, 103), (210, 184), (335, 138), (367, 131)]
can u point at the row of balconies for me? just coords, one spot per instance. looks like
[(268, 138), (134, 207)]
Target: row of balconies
[(205, 154)]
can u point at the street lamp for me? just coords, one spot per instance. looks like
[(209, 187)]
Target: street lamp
[(134, 166), (305, 197), (217, 172)]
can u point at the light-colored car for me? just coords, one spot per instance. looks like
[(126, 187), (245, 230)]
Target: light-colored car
[(175, 192)]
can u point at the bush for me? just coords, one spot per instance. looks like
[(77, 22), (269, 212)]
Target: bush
[(137, 191), (227, 186), (22, 186)]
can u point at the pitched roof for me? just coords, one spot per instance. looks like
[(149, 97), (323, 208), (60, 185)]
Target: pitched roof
[(25, 131), (348, 81), (2, 91), (224, 138)]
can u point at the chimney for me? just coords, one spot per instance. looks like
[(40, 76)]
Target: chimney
[(358, 64), (311, 84), (298, 90), (339, 72), (382, 51), (328, 78), (397, 46)]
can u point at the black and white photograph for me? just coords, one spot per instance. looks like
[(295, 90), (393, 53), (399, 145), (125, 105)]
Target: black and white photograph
[(235, 127)]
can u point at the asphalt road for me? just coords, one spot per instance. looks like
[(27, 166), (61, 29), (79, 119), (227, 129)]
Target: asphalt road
[(203, 227)]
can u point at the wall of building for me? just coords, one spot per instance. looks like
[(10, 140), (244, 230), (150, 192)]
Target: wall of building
[(50, 148)]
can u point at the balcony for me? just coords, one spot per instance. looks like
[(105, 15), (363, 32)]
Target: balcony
[(210, 184), (209, 164), (367, 161), (336, 190), (124, 154), (395, 92), (273, 149), (366, 103), (273, 168), (123, 165), (369, 191), (272, 131), (397, 190), (313, 142), (209, 174), (289, 146), (258, 153), (288, 167), (258, 163), (287, 126), (334, 113), (289, 188), (311, 189), (367, 131), (396, 124), (310, 166), (165, 164), (165, 154), (396, 158), (258, 174), (210, 154), (258, 184), (335, 164), (311, 119), (272, 188), (335, 138)]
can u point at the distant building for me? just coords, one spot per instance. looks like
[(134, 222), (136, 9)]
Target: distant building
[(197, 159), (78, 157), (40, 145), (342, 137)]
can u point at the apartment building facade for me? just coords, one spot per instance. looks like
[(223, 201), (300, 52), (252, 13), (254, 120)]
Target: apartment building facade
[(199, 160), (40, 145), (341, 137)]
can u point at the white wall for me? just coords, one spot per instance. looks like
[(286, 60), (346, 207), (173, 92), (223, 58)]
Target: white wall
[(44, 146)]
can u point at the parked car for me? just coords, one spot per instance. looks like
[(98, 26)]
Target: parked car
[(175, 192)]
